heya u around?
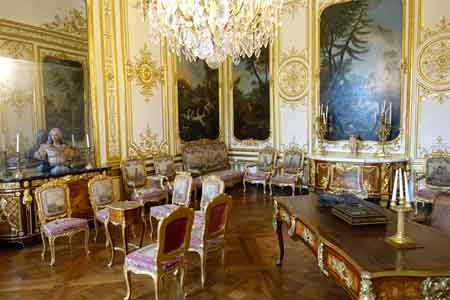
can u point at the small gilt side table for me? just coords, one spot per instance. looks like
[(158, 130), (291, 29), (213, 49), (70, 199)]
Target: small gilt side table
[(124, 214)]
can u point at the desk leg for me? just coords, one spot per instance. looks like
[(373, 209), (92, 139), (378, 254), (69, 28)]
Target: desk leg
[(143, 229), (279, 229)]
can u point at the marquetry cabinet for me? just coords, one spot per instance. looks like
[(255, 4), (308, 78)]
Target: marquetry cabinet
[(18, 211)]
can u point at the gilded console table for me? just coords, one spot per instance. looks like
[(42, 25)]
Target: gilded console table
[(18, 212), (359, 259), (376, 171)]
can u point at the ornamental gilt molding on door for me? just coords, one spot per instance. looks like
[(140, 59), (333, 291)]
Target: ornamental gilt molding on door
[(144, 72)]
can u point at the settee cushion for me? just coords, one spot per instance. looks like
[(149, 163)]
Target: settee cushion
[(205, 158)]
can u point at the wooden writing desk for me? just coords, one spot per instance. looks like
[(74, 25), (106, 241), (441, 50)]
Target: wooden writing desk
[(359, 259)]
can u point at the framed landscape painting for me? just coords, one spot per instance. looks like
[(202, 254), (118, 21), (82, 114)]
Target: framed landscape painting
[(198, 101), (251, 97), (360, 55)]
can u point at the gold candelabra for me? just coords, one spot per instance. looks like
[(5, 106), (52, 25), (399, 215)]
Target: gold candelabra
[(402, 206), (321, 131), (383, 131)]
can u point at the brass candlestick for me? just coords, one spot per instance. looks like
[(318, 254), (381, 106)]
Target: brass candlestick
[(383, 131), (18, 174), (400, 239), (321, 131)]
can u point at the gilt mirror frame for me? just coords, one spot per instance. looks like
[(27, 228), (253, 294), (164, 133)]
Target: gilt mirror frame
[(399, 144)]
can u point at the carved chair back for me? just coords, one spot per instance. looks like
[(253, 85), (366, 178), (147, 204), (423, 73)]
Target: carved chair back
[(212, 186), (216, 217), (346, 179), (165, 166), (182, 185), (100, 191), (53, 201), (174, 234), (134, 174), (437, 170), (293, 160), (266, 158)]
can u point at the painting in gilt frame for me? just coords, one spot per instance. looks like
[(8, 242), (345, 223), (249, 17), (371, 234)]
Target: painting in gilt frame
[(251, 97), (64, 92), (360, 56), (198, 101)]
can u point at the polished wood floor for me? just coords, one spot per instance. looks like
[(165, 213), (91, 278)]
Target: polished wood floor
[(250, 272)]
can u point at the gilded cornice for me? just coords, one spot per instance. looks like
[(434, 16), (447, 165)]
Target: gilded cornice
[(73, 23), (37, 34)]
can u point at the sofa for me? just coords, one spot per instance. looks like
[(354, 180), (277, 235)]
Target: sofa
[(201, 159)]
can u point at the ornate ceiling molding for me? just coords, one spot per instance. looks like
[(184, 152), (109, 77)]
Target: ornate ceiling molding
[(145, 72), (73, 23)]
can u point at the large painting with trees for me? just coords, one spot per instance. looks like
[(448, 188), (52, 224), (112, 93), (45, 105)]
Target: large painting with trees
[(198, 101), (360, 54), (251, 97)]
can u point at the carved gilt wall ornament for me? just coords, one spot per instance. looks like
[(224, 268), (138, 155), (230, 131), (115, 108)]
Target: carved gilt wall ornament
[(434, 61), (439, 146), (149, 145), (145, 72), (442, 27), (437, 288), (74, 23), (293, 75), (290, 7), (439, 96)]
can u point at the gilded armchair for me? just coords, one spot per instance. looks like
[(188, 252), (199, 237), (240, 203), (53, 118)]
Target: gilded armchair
[(261, 172), (166, 256), (290, 171), (212, 186), (210, 236), (181, 196), (435, 182), (55, 216), (139, 186), (100, 195)]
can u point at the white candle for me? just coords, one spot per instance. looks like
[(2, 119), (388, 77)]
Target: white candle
[(18, 143), (394, 190), (400, 175), (390, 113), (87, 141), (384, 106), (73, 140), (326, 112), (406, 188)]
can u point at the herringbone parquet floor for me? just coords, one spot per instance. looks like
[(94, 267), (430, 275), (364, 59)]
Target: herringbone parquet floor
[(250, 272)]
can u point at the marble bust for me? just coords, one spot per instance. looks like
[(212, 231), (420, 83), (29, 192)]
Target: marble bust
[(55, 153)]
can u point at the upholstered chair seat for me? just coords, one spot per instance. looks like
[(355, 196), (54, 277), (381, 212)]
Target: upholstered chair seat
[(431, 195), (289, 172), (101, 215), (440, 217), (55, 216), (284, 179), (166, 256), (148, 192), (208, 235), (145, 258), (64, 225)]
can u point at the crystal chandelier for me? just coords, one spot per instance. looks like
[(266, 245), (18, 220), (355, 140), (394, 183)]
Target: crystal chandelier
[(213, 30)]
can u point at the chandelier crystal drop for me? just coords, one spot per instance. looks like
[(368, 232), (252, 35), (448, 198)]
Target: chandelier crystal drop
[(213, 30)]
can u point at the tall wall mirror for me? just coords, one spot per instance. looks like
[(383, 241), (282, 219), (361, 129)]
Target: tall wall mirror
[(44, 84)]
